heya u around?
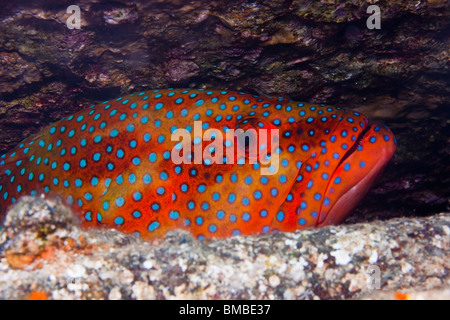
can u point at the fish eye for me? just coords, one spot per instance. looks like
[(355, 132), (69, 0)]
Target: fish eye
[(247, 139), (247, 142), (254, 138)]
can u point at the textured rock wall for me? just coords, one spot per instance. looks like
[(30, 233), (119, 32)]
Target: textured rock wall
[(319, 51)]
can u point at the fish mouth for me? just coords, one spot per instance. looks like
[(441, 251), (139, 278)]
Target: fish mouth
[(355, 174)]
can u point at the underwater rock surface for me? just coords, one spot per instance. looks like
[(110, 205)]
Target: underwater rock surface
[(44, 254)]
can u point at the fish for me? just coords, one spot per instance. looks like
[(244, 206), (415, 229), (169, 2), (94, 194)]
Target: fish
[(154, 161)]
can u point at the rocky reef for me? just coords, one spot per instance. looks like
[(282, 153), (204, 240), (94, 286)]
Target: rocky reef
[(315, 51), (44, 254)]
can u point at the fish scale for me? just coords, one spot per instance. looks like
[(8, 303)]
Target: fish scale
[(112, 164)]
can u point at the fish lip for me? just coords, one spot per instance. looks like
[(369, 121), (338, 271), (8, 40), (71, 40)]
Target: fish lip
[(354, 194), (362, 135), (327, 219), (345, 203)]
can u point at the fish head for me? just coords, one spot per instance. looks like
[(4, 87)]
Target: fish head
[(339, 156), (289, 166)]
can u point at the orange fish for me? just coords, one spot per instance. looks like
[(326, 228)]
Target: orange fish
[(114, 164)]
